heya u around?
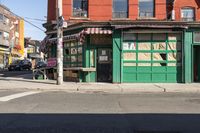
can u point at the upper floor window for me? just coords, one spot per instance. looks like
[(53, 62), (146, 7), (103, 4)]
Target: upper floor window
[(187, 14), (146, 9), (80, 8), (0, 35), (6, 20), (6, 35), (1, 17), (120, 8)]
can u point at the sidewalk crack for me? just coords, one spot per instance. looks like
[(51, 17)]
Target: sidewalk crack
[(164, 89)]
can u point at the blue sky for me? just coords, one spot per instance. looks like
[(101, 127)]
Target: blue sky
[(36, 9)]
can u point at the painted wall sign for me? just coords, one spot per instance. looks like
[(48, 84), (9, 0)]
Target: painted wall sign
[(129, 46)]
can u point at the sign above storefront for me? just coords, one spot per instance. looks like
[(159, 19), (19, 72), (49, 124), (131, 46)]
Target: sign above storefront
[(51, 62)]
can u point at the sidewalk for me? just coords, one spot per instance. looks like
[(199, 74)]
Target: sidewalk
[(17, 83)]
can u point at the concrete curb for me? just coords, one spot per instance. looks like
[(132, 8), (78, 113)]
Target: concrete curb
[(24, 84)]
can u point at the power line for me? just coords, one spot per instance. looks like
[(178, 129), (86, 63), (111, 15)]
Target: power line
[(29, 22), (1, 1), (42, 20), (36, 22), (34, 25)]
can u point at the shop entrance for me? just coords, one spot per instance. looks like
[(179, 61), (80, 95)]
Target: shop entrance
[(196, 64), (104, 65)]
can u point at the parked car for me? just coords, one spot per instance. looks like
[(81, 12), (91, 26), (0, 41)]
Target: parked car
[(12, 66), (20, 65), (41, 64)]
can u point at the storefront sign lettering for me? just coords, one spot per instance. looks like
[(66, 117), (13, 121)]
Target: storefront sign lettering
[(51, 62)]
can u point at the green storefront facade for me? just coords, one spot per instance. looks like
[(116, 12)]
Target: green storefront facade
[(133, 52)]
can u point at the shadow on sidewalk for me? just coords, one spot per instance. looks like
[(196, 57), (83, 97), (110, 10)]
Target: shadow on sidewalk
[(22, 74), (30, 81), (99, 123)]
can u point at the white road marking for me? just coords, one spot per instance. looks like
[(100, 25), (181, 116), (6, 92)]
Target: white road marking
[(18, 95)]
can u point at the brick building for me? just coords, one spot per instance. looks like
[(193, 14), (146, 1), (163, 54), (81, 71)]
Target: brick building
[(11, 37), (128, 40)]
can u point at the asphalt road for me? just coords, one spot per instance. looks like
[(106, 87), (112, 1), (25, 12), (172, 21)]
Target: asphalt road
[(96, 112)]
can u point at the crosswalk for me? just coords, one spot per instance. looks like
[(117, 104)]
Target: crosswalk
[(16, 95)]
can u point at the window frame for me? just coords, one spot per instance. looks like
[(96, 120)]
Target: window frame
[(166, 52), (1, 34), (81, 11), (194, 14), (127, 12), (194, 37), (146, 17)]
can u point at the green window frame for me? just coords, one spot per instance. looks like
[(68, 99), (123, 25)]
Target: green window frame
[(196, 37), (73, 56), (142, 51), (155, 57)]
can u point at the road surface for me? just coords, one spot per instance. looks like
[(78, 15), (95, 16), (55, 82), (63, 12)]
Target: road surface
[(23, 111)]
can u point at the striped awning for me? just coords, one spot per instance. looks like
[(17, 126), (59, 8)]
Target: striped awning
[(4, 51), (93, 31), (72, 37), (98, 31), (78, 36)]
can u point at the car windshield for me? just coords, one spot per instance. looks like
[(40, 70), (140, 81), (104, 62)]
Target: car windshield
[(15, 62)]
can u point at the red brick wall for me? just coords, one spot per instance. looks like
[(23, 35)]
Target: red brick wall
[(186, 3), (101, 10), (67, 9), (160, 9), (133, 9), (51, 13)]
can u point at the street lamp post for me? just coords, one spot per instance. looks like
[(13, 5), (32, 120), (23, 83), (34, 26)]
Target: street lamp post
[(59, 43)]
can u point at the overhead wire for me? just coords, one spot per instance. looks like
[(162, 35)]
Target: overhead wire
[(36, 19), (28, 22), (34, 25)]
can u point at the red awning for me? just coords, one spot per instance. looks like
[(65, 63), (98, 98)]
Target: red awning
[(78, 36), (97, 31), (92, 31)]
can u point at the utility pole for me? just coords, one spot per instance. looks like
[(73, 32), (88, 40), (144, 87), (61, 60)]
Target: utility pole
[(59, 43)]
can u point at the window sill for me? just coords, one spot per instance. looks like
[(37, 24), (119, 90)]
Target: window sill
[(146, 18), (79, 18), (115, 19)]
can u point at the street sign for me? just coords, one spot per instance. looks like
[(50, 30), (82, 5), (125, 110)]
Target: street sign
[(61, 22)]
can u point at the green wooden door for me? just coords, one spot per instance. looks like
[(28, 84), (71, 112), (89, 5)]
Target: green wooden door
[(196, 63), (152, 57)]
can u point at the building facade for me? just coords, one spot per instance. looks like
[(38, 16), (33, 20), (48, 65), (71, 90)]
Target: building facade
[(4, 36), (128, 41), (11, 37), (33, 53)]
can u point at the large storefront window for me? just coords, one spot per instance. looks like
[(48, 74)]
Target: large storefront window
[(72, 54), (52, 50), (146, 9), (152, 57), (120, 8), (155, 48), (80, 8)]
